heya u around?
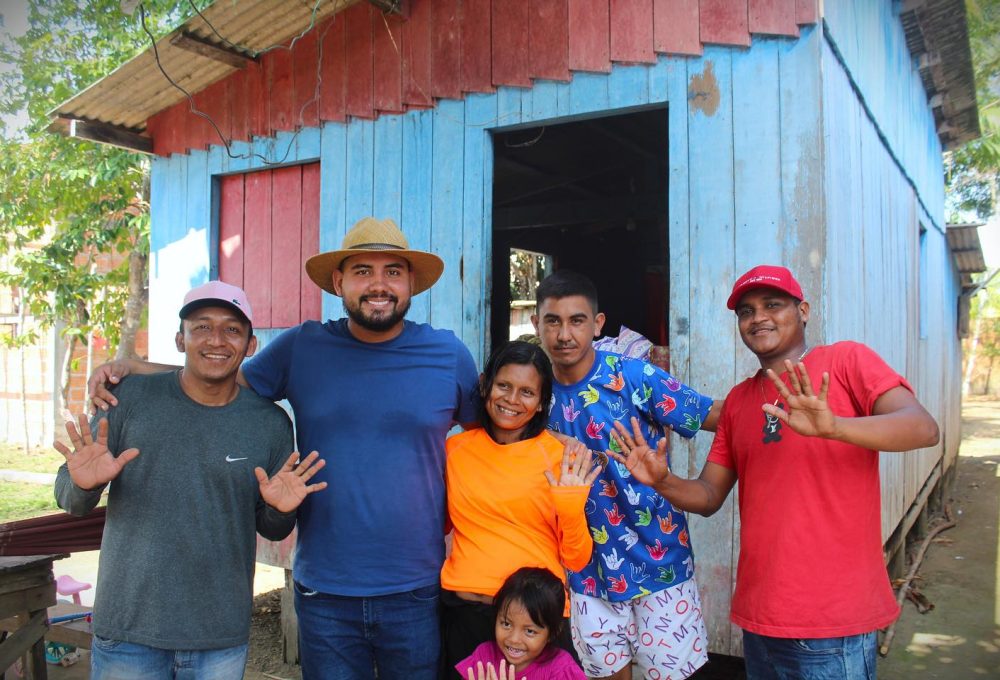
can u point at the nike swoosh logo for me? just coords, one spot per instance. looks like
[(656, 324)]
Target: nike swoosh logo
[(230, 459)]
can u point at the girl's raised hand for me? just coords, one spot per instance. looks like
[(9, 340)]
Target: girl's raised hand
[(578, 468), (490, 673)]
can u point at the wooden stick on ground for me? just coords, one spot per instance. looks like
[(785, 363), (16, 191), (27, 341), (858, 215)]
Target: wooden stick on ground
[(890, 632)]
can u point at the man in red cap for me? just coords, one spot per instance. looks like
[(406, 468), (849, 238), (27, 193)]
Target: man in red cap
[(801, 437)]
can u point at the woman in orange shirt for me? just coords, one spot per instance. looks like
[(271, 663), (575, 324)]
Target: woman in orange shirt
[(516, 498)]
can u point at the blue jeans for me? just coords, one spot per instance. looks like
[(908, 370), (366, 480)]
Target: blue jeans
[(118, 660), (839, 658), (346, 638)]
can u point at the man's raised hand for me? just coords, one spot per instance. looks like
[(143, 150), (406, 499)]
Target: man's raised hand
[(647, 465), (808, 413), (90, 463), (288, 488), (102, 379)]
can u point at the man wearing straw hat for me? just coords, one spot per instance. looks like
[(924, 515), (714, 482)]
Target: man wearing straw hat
[(376, 395)]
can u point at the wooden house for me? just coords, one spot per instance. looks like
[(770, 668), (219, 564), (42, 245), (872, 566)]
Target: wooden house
[(661, 146)]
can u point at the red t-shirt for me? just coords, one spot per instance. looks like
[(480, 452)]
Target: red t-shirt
[(811, 560)]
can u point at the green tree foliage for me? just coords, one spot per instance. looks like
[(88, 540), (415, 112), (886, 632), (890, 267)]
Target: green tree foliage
[(64, 202), (973, 170)]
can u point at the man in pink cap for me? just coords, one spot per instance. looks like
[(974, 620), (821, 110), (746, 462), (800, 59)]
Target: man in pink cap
[(801, 437), (197, 466)]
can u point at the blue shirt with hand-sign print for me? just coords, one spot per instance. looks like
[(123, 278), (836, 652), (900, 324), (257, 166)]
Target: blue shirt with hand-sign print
[(641, 542)]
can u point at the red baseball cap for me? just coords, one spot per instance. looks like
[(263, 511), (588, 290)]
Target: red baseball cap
[(217, 293), (765, 276)]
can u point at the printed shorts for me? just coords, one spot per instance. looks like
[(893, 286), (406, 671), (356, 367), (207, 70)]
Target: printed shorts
[(662, 633)]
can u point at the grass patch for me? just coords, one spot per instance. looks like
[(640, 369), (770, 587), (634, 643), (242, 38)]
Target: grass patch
[(19, 500), (42, 459)]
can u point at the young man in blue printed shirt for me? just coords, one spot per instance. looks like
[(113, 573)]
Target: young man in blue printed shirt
[(637, 600)]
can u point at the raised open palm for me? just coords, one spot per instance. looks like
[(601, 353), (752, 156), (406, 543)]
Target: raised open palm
[(90, 463), (288, 488)]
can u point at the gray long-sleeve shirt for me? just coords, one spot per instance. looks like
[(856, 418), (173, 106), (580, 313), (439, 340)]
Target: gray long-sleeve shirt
[(177, 559)]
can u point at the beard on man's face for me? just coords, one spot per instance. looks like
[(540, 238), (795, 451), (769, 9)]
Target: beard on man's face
[(377, 321)]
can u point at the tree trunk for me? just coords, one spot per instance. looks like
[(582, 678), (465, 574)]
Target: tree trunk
[(64, 375), (973, 347), (24, 380), (138, 296)]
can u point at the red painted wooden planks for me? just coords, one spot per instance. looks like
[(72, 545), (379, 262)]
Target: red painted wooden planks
[(305, 71), (724, 22), (417, 56), (236, 93), (446, 49), (334, 64), (510, 43), (772, 17), (675, 27), (258, 100), (805, 12), (257, 245), (549, 39), (311, 294), (632, 31), (360, 63), (214, 103), (231, 230), (589, 24), (476, 46), (157, 129), (280, 91), (285, 250), (388, 67)]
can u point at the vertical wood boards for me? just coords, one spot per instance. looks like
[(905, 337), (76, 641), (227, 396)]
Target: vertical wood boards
[(709, 108), (311, 294), (446, 49), (447, 167), (388, 67), (675, 26), (231, 229), (773, 17), (333, 89), (760, 228), (305, 81), (723, 22), (286, 239), (258, 239), (588, 26), (476, 46), (548, 39), (417, 153), (511, 66), (631, 38), (280, 92), (333, 201), (360, 61), (802, 165), (417, 56), (477, 227)]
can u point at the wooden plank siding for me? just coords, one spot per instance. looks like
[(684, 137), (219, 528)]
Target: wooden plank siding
[(772, 156), (362, 64)]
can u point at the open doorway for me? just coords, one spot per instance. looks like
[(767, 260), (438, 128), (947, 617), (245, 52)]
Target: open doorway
[(588, 195)]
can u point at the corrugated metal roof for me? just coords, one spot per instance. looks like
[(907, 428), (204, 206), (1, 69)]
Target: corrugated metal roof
[(963, 241), (132, 93)]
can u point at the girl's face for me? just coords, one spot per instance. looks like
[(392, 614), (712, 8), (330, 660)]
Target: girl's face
[(513, 400), (520, 639)]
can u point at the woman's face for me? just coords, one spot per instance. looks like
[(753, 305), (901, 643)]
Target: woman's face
[(513, 400)]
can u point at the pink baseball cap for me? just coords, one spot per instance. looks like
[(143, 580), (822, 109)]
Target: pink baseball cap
[(217, 293), (765, 276)]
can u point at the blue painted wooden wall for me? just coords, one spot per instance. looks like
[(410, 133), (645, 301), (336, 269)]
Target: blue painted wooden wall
[(785, 168)]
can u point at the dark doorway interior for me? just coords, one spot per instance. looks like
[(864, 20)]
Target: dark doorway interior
[(592, 195)]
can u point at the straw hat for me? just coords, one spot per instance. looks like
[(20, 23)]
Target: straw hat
[(370, 235)]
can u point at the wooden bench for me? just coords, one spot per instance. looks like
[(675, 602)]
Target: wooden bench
[(27, 590)]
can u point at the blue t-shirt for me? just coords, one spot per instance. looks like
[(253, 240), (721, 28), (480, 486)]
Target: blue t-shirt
[(378, 413), (641, 542)]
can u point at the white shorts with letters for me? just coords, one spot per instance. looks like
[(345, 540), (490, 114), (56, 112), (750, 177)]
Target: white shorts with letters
[(663, 633)]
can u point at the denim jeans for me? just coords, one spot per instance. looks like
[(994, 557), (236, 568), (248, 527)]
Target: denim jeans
[(839, 658), (346, 638), (118, 660)]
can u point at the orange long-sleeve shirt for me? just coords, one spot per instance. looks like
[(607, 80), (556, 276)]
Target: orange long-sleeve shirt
[(506, 515)]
